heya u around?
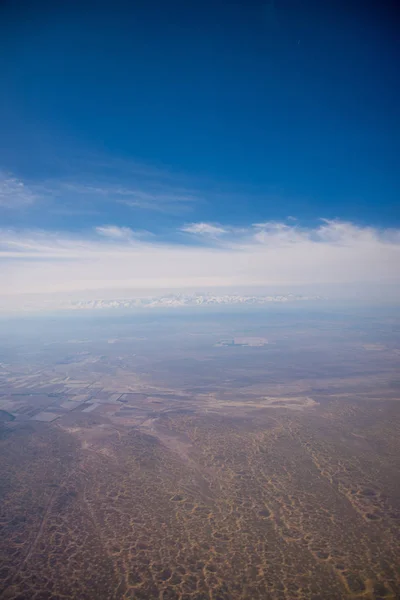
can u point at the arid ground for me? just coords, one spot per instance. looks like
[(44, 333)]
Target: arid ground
[(174, 457)]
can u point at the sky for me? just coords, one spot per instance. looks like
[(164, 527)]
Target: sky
[(212, 145)]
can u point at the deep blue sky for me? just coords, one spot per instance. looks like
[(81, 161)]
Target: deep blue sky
[(291, 104)]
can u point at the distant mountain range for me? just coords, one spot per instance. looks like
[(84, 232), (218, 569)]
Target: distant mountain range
[(179, 300)]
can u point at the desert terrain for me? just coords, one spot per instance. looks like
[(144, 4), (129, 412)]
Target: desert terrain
[(149, 458)]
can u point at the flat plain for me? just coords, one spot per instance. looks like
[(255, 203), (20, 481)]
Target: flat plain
[(201, 456)]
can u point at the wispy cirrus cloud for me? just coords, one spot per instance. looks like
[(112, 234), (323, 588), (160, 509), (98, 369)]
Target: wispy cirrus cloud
[(94, 188), (148, 197), (174, 202), (14, 193), (115, 232), (91, 187), (204, 229)]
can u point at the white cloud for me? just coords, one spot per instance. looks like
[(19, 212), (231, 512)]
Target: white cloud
[(204, 229), (115, 232), (14, 193), (270, 254)]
